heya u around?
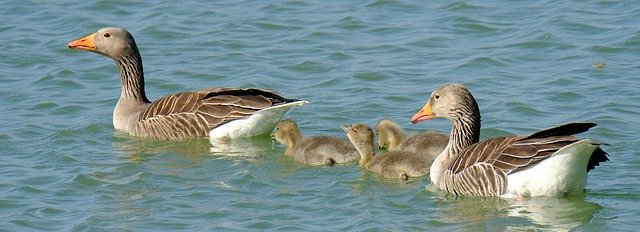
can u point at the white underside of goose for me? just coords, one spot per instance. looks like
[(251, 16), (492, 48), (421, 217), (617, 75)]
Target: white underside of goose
[(564, 172), (258, 123)]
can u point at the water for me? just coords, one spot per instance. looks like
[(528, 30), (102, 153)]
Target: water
[(63, 167)]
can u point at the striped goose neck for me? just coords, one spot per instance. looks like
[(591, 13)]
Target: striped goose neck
[(132, 75), (465, 131), (465, 123)]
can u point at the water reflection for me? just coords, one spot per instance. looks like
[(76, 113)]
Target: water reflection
[(148, 173), (497, 214), (453, 209), (141, 150), (249, 147), (556, 214)]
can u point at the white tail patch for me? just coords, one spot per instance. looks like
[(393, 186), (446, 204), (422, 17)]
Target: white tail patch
[(260, 122), (564, 172)]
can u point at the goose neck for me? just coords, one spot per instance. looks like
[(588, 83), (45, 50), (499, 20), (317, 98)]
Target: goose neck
[(132, 76), (295, 137), (366, 152), (464, 133), (397, 136)]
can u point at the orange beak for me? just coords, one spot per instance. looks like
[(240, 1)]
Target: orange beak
[(85, 43), (424, 114)]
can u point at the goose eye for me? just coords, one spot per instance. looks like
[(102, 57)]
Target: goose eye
[(437, 96), (107, 35)]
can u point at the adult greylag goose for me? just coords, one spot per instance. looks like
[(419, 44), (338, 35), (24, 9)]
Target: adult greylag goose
[(314, 150), (392, 164), (392, 137), (216, 112), (550, 162)]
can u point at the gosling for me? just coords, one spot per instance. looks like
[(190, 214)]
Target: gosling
[(428, 145), (392, 164), (314, 150)]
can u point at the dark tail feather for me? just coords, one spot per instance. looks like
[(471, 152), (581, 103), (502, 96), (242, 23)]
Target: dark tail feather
[(273, 96), (597, 156), (289, 100), (562, 130)]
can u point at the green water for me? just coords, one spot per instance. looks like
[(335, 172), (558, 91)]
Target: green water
[(529, 65)]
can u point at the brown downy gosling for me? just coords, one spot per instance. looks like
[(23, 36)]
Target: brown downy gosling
[(391, 137), (392, 164), (314, 150)]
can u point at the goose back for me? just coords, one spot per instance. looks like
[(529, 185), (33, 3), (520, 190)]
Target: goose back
[(194, 114), (324, 150), (428, 145), (482, 168), (395, 164), (314, 150)]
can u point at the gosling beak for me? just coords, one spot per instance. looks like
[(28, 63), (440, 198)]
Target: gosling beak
[(86, 43), (424, 114)]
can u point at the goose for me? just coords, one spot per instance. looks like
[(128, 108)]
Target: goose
[(314, 150), (392, 164), (220, 113), (550, 162), (391, 137)]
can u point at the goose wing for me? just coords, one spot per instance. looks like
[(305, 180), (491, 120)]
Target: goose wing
[(482, 168), (190, 114)]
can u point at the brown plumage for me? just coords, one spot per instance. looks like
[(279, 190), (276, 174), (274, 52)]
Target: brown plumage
[(547, 163), (314, 150), (392, 164), (175, 116)]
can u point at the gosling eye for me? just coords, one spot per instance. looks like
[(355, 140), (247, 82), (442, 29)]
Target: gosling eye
[(107, 35), (437, 96)]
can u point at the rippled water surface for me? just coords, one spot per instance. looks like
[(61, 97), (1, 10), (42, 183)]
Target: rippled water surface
[(529, 64)]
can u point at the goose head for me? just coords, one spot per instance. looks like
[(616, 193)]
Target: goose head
[(453, 101), (110, 41)]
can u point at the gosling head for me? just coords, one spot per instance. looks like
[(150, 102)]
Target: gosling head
[(286, 132), (359, 134), (390, 135)]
